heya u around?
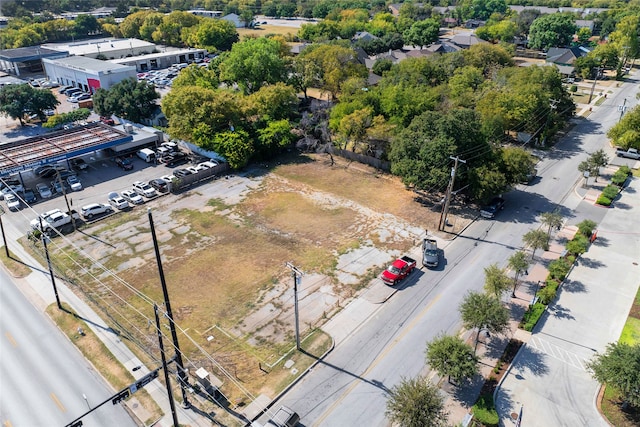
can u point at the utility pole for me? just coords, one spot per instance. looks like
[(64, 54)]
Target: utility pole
[(172, 404), (4, 237), (296, 274), (44, 238), (64, 194), (447, 198), (182, 376), (622, 108), (593, 86)]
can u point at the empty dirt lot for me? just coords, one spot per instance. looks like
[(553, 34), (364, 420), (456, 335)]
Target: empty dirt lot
[(224, 246)]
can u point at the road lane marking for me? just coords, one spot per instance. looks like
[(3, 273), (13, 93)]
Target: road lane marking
[(11, 339), (375, 362), (559, 353), (57, 402)]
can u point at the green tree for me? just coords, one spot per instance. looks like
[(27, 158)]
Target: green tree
[(169, 32), (422, 33), (518, 164), (130, 26), (553, 30), (72, 116), (213, 35), (626, 133), (536, 239), (274, 137), (596, 160), (619, 367), (130, 99), (519, 263), (253, 63), (85, 25), (234, 146), (551, 220), (420, 153), (416, 402), (496, 280), (487, 57), (337, 63), (195, 75), (18, 101), (273, 102), (483, 312), (586, 227), (304, 73), (197, 114), (449, 355), (625, 38)]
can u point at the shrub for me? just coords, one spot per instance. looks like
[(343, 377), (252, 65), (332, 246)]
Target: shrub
[(484, 411), (610, 191), (625, 169), (559, 268), (573, 88), (619, 178), (548, 293), (586, 227), (532, 316), (603, 200), (578, 245)]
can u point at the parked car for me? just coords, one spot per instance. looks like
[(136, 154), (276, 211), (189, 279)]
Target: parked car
[(74, 183), (124, 163), (78, 164), (79, 97), (13, 202), (490, 210), (71, 91), (11, 189), (107, 120), (117, 201), (47, 171), (132, 197), (43, 190), (206, 165), (160, 185), (89, 211), (29, 196), (180, 173), (176, 159), (63, 89), (57, 187), (144, 189)]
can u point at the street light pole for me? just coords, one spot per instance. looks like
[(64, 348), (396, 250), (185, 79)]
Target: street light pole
[(593, 86)]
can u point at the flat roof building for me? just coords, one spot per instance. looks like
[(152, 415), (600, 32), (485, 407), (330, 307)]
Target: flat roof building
[(109, 48), (87, 73), (161, 60)]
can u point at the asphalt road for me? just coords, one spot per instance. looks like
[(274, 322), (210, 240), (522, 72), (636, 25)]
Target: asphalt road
[(349, 386), (43, 378)]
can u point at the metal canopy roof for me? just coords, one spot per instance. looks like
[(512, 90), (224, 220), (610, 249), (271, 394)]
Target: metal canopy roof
[(52, 147), (32, 53)]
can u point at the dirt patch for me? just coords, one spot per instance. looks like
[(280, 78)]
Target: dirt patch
[(224, 246)]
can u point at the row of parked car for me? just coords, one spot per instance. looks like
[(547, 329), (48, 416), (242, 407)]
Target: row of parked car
[(74, 94)]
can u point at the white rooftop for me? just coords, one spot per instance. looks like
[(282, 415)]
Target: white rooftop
[(83, 63), (104, 46)]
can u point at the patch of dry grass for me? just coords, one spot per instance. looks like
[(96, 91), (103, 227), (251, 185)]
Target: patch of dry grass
[(267, 30), (16, 267)]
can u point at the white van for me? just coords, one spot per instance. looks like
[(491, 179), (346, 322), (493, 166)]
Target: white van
[(147, 155)]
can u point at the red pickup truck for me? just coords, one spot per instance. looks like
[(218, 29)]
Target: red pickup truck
[(397, 271)]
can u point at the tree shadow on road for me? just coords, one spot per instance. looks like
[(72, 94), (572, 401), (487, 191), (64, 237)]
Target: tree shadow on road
[(573, 286), (560, 312), (590, 262), (531, 360)]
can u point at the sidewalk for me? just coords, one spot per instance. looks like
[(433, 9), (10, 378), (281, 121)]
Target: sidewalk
[(37, 287), (549, 378)]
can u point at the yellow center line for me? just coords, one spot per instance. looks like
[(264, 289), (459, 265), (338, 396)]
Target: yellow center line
[(57, 402), (11, 339), (377, 360)]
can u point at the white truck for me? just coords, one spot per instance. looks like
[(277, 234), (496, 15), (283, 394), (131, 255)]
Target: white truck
[(631, 153), (58, 220)]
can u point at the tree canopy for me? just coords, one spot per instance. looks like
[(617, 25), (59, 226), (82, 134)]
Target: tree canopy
[(19, 101), (416, 402), (626, 133), (130, 99), (481, 311), (553, 30), (449, 355), (619, 367)]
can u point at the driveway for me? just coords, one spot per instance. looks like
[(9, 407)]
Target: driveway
[(549, 378)]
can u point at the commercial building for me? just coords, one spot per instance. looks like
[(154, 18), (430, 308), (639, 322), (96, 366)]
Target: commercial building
[(161, 60), (86, 73), (104, 48)]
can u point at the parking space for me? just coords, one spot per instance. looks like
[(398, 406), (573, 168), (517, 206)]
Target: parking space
[(100, 178)]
